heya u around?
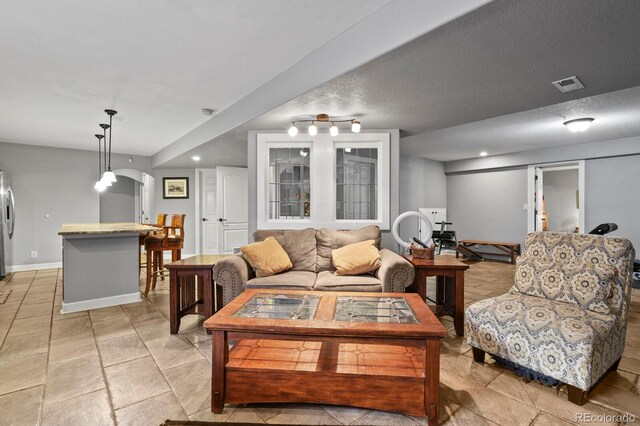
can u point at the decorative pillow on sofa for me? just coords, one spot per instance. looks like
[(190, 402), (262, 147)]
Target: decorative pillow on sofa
[(587, 286), (356, 259), (300, 246), (267, 258), (331, 239)]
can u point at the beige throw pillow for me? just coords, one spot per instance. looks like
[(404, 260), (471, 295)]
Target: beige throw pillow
[(356, 259), (267, 258)]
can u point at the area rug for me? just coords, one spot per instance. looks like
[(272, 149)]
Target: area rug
[(4, 294), (198, 423)]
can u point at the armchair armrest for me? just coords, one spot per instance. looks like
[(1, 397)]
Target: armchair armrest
[(232, 273), (395, 272)]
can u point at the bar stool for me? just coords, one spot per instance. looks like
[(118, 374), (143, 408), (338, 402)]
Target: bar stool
[(161, 222), (171, 239)]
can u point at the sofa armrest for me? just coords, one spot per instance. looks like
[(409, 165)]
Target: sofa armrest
[(232, 273), (395, 272)]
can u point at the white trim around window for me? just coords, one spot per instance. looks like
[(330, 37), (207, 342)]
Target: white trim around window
[(323, 149)]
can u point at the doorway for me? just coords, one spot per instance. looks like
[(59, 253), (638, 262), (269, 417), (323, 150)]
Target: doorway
[(129, 199), (556, 197), (206, 208), (222, 209)]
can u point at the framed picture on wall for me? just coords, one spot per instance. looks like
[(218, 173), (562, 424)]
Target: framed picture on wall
[(175, 187)]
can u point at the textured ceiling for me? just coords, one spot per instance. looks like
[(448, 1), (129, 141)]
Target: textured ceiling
[(156, 62), (495, 61)]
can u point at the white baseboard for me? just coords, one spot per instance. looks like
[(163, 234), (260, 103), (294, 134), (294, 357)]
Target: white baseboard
[(167, 256), (34, 267), (103, 302)]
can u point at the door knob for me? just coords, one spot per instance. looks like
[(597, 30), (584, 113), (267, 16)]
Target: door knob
[(204, 219), (221, 219)]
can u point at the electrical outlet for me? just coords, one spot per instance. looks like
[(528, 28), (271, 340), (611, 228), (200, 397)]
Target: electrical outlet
[(34, 254)]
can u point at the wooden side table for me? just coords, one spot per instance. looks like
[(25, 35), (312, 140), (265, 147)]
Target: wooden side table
[(188, 297), (449, 297)]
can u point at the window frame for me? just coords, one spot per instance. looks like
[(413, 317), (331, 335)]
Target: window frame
[(323, 148)]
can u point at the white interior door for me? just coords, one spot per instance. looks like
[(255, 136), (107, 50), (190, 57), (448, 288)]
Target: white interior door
[(232, 207), (539, 200), (208, 212)]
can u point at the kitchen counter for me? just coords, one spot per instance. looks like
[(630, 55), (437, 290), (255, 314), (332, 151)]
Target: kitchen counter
[(104, 228), (100, 264)]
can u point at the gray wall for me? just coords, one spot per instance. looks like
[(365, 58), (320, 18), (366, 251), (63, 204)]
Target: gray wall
[(117, 203), (560, 187), (56, 182), (178, 206), (422, 184), (488, 205), (612, 194)]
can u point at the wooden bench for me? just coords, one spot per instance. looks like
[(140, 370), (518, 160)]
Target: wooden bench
[(510, 249)]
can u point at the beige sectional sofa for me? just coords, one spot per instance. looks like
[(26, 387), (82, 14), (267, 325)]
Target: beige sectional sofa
[(310, 253)]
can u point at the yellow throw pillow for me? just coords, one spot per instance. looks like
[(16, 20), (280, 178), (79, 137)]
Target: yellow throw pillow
[(356, 259), (267, 257)]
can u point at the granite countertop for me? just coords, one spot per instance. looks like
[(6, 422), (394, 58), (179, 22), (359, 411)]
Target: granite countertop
[(104, 228)]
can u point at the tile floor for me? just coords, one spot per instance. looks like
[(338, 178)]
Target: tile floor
[(121, 366)]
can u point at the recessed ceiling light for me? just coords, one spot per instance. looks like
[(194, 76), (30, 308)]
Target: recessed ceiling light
[(195, 158), (579, 124), (484, 154)]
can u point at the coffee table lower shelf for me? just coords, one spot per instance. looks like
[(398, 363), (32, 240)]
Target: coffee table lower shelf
[(390, 377)]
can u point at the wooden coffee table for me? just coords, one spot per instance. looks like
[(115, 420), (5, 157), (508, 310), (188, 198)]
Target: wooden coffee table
[(370, 350)]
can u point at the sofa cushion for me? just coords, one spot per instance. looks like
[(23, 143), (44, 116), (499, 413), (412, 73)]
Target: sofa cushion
[(356, 259), (327, 281), (300, 245), (266, 257), (291, 280), (331, 239), (587, 286), (558, 339)]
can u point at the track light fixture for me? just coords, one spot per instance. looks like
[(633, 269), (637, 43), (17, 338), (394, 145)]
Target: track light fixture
[(324, 118)]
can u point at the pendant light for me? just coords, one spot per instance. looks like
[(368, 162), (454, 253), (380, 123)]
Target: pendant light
[(99, 186), (108, 174), (106, 182), (333, 130)]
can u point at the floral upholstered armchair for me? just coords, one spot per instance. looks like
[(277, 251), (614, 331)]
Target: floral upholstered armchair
[(566, 315)]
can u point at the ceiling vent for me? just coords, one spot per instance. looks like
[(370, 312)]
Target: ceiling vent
[(568, 84)]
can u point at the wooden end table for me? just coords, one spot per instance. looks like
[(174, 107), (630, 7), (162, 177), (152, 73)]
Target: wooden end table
[(449, 297), (185, 297), (370, 350)]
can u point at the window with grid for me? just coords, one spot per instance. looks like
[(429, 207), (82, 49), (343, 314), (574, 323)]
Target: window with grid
[(356, 183), (289, 184)]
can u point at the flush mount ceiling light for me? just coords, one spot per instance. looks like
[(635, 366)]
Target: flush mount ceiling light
[(324, 118), (579, 124)]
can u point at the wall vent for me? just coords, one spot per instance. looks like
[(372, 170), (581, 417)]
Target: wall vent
[(568, 84)]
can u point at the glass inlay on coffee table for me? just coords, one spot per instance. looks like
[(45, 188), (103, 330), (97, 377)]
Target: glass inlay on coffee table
[(374, 309), (279, 306)]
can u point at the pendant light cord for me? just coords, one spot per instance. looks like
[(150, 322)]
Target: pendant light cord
[(110, 131)]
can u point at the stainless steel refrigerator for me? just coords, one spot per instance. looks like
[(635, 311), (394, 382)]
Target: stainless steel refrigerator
[(7, 222)]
